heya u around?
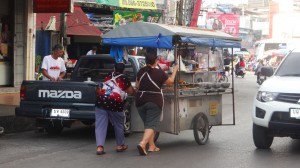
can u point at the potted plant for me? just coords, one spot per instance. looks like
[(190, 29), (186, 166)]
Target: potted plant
[(38, 62)]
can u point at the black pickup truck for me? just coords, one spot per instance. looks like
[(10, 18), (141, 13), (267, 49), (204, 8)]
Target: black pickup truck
[(56, 105)]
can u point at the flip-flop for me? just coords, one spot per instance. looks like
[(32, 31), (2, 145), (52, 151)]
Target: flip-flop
[(142, 151), (156, 149), (123, 148), (100, 152)]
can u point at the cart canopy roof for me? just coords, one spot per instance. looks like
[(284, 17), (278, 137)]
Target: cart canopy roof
[(155, 35)]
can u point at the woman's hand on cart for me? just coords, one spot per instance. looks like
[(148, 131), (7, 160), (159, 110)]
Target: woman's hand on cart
[(175, 67)]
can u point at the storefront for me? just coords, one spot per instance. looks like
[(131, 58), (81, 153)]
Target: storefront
[(6, 51), (17, 37)]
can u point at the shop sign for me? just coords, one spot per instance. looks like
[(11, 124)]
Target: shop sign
[(213, 108), (228, 23), (53, 6), (137, 4), (125, 17), (103, 22)]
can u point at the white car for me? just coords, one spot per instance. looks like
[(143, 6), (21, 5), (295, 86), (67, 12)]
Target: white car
[(276, 111)]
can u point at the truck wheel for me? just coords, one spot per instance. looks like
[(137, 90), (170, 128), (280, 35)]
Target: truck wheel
[(201, 128), (1, 131), (54, 129), (88, 123), (261, 138)]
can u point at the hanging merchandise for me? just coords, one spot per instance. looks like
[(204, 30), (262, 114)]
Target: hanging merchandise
[(117, 53), (170, 56), (125, 54), (182, 65)]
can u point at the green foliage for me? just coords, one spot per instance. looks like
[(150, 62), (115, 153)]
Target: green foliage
[(38, 60)]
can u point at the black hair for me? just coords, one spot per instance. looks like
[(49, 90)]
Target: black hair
[(150, 57), (94, 48), (57, 47), (119, 67)]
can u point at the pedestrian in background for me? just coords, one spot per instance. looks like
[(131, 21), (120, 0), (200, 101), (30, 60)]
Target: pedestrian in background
[(258, 70), (150, 100), (53, 66), (110, 107), (227, 62), (92, 51)]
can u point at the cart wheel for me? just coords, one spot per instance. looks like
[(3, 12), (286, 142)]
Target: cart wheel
[(201, 128), (156, 135)]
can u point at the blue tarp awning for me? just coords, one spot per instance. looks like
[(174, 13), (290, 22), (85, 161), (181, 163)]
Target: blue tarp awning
[(211, 42), (155, 35)]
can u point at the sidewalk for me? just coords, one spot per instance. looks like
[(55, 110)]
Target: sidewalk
[(9, 100)]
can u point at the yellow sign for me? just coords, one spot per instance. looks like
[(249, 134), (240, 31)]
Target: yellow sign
[(213, 108), (139, 4)]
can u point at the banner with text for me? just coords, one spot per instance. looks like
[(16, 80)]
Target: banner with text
[(138, 4), (228, 23), (125, 17)]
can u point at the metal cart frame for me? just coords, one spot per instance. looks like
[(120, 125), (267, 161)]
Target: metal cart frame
[(193, 109)]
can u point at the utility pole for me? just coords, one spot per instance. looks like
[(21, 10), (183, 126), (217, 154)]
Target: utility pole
[(63, 34), (62, 28), (179, 12), (196, 12)]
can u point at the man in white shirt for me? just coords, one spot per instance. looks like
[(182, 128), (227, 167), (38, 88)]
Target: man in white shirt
[(92, 51), (53, 66)]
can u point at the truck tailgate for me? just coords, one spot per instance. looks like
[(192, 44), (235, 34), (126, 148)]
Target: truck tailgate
[(65, 91)]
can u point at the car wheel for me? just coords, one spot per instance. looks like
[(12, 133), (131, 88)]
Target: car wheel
[(261, 137)]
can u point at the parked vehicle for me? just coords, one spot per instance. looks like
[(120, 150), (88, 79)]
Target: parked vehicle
[(270, 47), (276, 111), (56, 105)]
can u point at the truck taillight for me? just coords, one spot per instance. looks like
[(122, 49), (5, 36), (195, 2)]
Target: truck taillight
[(22, 92)]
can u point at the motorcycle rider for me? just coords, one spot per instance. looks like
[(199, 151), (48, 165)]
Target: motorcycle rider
[(240, 67), (258, 70)]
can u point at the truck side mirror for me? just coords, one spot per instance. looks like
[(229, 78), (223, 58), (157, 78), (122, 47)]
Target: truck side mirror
[(267, 71)]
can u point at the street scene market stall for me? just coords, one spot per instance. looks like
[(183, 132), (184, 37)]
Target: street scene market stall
[(195, 101)]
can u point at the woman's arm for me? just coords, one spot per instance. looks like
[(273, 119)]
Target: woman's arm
[(171, 79)]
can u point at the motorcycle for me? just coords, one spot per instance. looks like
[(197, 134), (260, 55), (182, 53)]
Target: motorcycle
[(261, 80), (239, 71)]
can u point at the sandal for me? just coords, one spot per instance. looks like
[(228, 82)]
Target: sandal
[(121, 148), (142, 150), (101, 151), (156, 149)]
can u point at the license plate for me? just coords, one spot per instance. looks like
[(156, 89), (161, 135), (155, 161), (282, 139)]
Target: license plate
[(60, 113), (295, 113)]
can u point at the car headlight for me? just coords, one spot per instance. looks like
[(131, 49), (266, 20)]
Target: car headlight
[(266, 96)]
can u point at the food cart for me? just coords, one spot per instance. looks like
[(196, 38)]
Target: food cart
[(191, 104)]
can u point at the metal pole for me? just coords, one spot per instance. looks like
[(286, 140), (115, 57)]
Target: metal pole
[(196, 12), (179, 11), (62, 28), (232, 81), (63, 33), (176, 92)]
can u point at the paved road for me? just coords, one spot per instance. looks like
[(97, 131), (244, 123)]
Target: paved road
[(228, 146)]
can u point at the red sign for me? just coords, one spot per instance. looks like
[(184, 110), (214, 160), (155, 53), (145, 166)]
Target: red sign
[(228, 23), (52, 6)]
